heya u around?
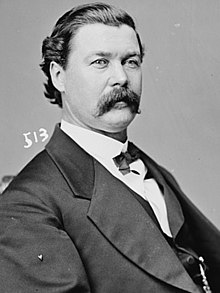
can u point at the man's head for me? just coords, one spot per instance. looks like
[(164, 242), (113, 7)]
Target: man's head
[(94, 49)]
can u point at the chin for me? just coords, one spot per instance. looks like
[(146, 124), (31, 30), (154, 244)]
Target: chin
[(118, 120)]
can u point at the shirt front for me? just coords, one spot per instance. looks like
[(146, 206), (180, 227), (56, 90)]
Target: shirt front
[(104, 149)]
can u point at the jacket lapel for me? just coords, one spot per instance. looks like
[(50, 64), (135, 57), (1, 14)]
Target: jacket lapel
[(73, 162), (121, 218)]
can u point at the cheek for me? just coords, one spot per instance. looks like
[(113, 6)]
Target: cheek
[(136, 83), (139, 83), (90, 84)]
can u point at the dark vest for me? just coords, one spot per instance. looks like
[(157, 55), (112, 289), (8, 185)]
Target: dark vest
[(182, 241)]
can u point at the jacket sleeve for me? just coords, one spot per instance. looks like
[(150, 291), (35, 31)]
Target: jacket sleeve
[(36, 254)]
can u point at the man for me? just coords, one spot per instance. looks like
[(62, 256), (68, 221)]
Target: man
[(79, 218)]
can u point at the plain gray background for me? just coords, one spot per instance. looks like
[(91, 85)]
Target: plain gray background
[(179, 124)]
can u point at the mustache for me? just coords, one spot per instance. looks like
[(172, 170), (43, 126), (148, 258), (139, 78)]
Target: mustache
[(108, 101)]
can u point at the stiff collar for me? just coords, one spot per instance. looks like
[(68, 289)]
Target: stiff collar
[(94, 143)]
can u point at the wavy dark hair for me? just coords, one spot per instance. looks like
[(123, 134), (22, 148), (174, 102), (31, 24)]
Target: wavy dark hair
[(57, 46)]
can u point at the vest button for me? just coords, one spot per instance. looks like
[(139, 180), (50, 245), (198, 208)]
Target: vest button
[(190, 260)]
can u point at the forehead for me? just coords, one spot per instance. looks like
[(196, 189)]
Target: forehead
[(101, 37)]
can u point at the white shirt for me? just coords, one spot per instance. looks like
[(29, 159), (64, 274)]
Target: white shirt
[(104, 149)]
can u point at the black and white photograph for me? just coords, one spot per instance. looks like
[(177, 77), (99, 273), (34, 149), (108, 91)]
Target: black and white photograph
[(110, 146)]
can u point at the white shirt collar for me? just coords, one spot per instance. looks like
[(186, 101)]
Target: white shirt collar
[(96, 144)]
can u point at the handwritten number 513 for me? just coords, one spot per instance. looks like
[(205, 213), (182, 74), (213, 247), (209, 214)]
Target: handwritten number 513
[(30, 137)]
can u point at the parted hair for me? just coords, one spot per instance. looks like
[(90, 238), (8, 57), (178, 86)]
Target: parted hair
[(57, 46)]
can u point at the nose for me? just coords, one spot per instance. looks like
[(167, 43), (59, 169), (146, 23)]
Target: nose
[(119, 75)]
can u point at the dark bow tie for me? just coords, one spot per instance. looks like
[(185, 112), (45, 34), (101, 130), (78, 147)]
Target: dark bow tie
[(123, 161)]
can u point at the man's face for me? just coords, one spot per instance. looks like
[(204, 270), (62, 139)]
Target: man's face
[(102, 84)]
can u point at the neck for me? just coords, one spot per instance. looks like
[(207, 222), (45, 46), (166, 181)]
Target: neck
[(120, 136)]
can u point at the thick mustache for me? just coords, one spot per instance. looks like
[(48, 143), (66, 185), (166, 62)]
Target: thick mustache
[(108, 101)]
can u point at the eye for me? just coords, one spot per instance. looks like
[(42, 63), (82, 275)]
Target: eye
[(100, 63), (133, 63)]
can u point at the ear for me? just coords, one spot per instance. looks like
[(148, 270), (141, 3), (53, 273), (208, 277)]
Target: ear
[(57, 74)]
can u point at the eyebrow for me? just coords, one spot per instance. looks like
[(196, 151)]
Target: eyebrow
[(109, 55), (99, 54), (132, 54)]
